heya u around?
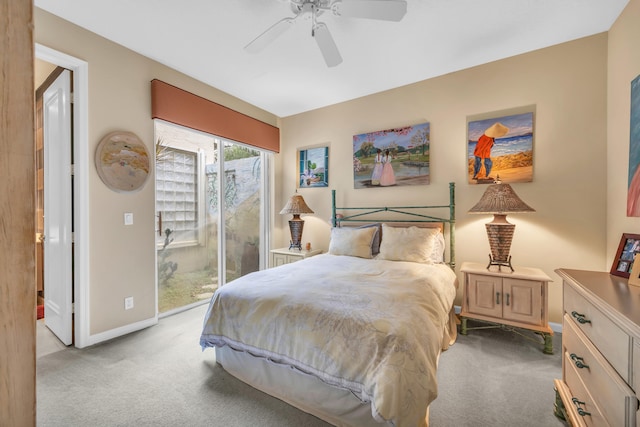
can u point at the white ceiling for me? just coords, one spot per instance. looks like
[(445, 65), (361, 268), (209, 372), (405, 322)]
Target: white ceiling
[(205, 38)]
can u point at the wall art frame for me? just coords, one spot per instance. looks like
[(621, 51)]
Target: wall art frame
[(392, 157), (500, 145), (633, 179), (313, 167), (623, 261)]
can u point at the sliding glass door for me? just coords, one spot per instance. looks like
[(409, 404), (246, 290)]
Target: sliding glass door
[(243, 208), (209, 230)]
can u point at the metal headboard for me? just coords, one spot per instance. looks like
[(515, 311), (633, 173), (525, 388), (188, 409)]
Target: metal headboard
[(364, 215)]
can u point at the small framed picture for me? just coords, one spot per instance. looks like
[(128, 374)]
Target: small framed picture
[(313, 167), (625, 256), (634, 276)]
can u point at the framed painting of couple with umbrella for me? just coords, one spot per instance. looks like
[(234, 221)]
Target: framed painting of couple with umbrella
[(392, 157)]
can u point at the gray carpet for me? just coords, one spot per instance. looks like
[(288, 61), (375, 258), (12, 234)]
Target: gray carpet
[(160, 377)]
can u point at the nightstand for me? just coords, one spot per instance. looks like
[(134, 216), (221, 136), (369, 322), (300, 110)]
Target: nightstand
[(285, 255), (515, 299)]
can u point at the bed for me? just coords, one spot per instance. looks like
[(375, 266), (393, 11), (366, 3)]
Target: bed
[(352, 336)]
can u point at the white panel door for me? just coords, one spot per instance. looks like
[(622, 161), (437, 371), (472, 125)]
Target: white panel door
[(58, 279)]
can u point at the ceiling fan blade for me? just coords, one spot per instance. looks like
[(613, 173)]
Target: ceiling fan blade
[(327, 45), (386, 10), (269, 35)]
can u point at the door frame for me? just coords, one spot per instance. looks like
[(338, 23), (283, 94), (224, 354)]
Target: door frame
[(80, 132)]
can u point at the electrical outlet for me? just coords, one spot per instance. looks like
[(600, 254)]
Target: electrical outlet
[(128, 303)]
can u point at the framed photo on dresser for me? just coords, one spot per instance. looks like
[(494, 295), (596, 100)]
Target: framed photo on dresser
[(634, 277), (628, 248)]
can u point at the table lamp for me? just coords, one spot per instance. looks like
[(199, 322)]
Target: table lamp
[(499, 199), (296, 206)]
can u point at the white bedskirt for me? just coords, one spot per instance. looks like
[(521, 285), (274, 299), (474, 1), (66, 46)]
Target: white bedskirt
[(336, 406)]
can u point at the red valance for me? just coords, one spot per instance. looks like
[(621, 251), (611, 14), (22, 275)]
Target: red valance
[(183, 108)]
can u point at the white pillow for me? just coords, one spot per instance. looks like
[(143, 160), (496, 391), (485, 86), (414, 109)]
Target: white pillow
[(375, 243), (407, 244), (352, 241), (437, 254)]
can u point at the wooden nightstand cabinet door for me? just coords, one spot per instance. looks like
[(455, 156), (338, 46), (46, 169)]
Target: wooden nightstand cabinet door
[(522, 300), (284, 256), (485, 295), (278, 259)]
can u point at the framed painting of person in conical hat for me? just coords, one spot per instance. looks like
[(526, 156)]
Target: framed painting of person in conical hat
[(500, 148)]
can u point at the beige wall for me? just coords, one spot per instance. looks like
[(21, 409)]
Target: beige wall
[(42, 70), (567, 83), (122, 259), (623, 67)]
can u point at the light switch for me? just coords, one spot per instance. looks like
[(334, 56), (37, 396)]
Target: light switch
[(128, 218)]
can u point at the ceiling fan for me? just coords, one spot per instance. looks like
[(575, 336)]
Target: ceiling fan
[(386, 10)]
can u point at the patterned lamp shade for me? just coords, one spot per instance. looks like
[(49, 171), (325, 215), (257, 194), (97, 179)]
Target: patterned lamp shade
[(296, 206), (500, 199)]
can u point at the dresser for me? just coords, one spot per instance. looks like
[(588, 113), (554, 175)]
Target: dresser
[(600, 350), (515, 298), (285, 255)]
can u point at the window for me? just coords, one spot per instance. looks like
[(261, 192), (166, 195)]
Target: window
[(177, 194)]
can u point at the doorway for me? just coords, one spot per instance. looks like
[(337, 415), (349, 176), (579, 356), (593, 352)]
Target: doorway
[(77, 296), (54, 254)]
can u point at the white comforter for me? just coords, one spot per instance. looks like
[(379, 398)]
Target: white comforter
[(371, 326)]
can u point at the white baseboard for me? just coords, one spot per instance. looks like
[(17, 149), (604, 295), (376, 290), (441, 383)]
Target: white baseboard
[(118, 332)]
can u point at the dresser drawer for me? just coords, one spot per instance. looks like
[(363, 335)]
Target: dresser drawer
[(635, 385), (580, 398), (611, 341), (611, 394)]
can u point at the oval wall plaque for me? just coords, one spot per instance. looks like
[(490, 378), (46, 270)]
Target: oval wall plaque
[(122, 161)]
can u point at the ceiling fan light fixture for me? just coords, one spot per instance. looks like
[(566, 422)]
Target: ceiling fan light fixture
[(386, 10), (307, 10)]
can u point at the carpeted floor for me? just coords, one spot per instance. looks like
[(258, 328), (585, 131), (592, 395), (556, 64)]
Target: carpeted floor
[(160, 377)]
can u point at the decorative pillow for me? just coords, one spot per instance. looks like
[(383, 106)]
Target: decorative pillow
[(375, 244), (437, 254), (407, 244), (352, 241)]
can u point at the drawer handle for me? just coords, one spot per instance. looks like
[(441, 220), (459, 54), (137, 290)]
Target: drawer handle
[(579, 361), (581, 411), (498, 298), (580, 317), (507, 299)]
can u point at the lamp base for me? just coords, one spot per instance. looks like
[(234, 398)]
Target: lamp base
[(295, 227), (500, 233), (500, 264), (293, 245)]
